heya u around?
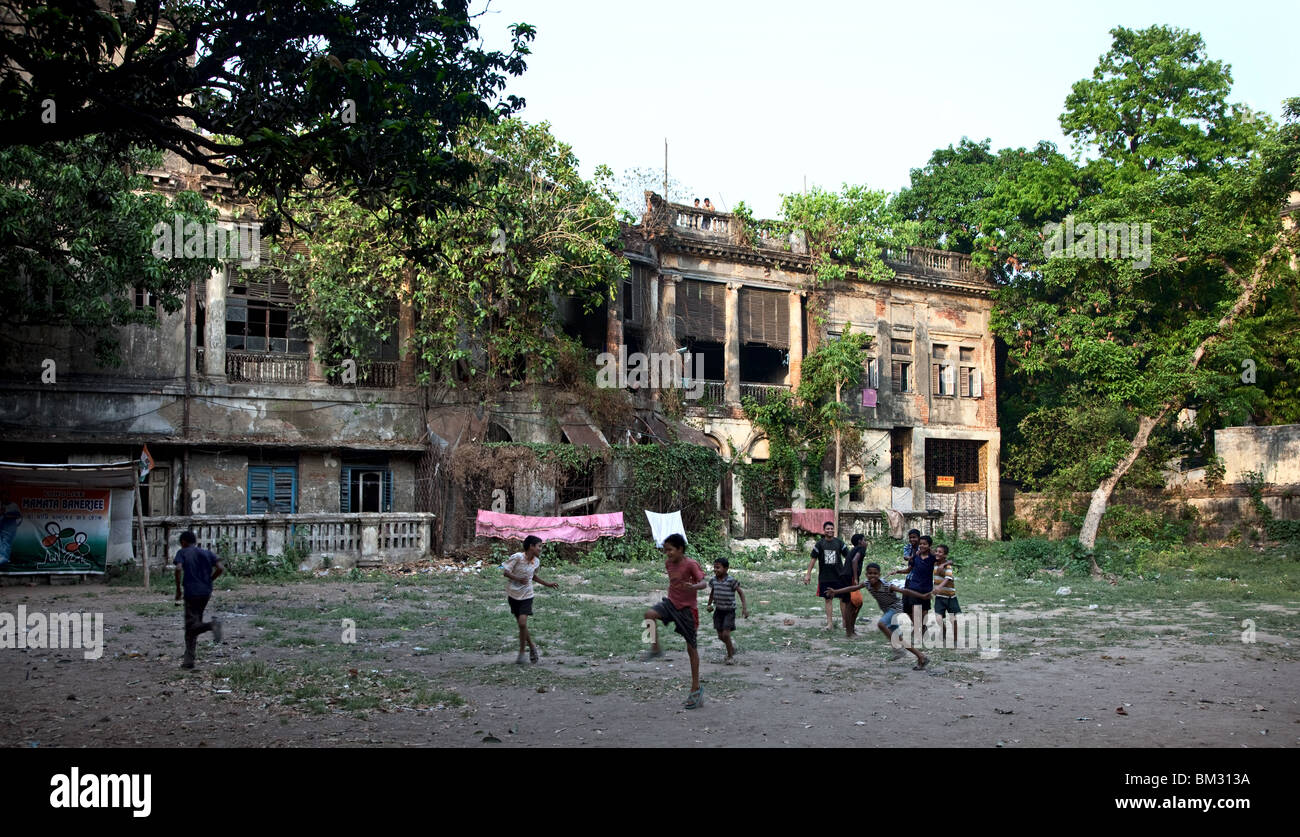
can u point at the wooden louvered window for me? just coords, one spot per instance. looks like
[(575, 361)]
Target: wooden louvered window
[(765, 317), (942, 379), (901, 373), (272, 489), (633, 294), (702, 310)]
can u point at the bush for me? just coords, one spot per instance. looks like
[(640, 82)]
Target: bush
[(1030, 555), (1016, 528)]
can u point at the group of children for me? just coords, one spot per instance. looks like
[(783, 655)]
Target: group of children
[(839, 573), (839, 570)]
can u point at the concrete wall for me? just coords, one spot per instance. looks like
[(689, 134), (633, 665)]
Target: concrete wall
[(1273, 451), (1219, 512)]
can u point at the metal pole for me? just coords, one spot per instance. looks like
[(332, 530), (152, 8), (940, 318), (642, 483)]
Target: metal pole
[(144, 547), (666, 171)]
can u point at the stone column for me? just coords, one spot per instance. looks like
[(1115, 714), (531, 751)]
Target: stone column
[(315, 369), (614, 327), (668, 317), (214, 327), (796, 338), (993, 481), (731, 351)]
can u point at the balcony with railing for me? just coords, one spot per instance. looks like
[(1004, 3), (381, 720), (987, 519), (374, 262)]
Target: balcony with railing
[(694, 222), (760, 392), (374, 375), (259, 368), (714, 393), (348, 539)]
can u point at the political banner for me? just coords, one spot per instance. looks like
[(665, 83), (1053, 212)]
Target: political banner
[(53, 529)]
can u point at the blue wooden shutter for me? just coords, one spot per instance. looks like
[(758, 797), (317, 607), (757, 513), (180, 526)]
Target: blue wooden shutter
[(259, 488), (345, 489), (387, 499), (286, 489)]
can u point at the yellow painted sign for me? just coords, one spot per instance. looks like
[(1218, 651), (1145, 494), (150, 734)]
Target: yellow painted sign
[(945, 482)]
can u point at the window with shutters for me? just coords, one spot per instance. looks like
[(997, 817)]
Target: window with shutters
[(764, 317), (871, 379), (942, 379), (272, 489), (702, 310), (634, 290), (901, 374), (365, 488), (259, 318)]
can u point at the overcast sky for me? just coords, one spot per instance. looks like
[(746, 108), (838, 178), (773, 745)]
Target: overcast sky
[(755, 96)]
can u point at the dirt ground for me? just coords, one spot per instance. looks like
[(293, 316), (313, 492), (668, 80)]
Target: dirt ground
[(1176, 693)]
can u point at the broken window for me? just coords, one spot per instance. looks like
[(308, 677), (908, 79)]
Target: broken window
[(856, 494), (259, 319)]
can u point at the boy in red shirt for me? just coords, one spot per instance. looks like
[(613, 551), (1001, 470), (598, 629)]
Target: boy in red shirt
[(685, 580)]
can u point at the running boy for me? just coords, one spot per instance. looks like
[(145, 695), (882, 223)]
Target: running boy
[(685, 579), (891, 608), (198, 568), (946, 607), (830, 556), (723, 590), (520, 571)]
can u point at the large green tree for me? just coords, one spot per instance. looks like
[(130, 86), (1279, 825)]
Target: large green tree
[(529, 230), (1133, 325), (76, 238), (367, 95)]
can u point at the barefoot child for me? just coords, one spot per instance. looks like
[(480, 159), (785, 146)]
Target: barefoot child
[(199, 568), (891, 608), (521, 571), (723, 590), (685, 579), (946, 607)]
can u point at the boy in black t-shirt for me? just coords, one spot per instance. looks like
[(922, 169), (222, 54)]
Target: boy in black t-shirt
[(198, 568), (830, 556)]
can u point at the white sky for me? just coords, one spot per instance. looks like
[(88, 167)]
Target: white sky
[(754, 96)]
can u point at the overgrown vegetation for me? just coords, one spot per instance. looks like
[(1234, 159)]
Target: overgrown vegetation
[(1278, 530)]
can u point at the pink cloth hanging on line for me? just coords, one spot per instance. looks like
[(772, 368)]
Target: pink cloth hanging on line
[(577, 529), (812, 520)]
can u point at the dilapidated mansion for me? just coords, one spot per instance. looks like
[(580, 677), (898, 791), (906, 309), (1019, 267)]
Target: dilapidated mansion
[(256, 441)]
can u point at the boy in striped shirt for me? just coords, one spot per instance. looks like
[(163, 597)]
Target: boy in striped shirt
[(723, 590)]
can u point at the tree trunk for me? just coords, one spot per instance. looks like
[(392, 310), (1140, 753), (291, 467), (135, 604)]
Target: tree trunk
[(1101, 496), (837, 466)]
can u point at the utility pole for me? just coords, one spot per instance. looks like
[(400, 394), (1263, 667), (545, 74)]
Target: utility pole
[(666, 198)]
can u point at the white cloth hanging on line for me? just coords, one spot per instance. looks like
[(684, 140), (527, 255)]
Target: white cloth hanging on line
[(663, 525)]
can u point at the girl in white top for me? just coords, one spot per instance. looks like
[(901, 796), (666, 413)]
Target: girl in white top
[(520, 571)]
